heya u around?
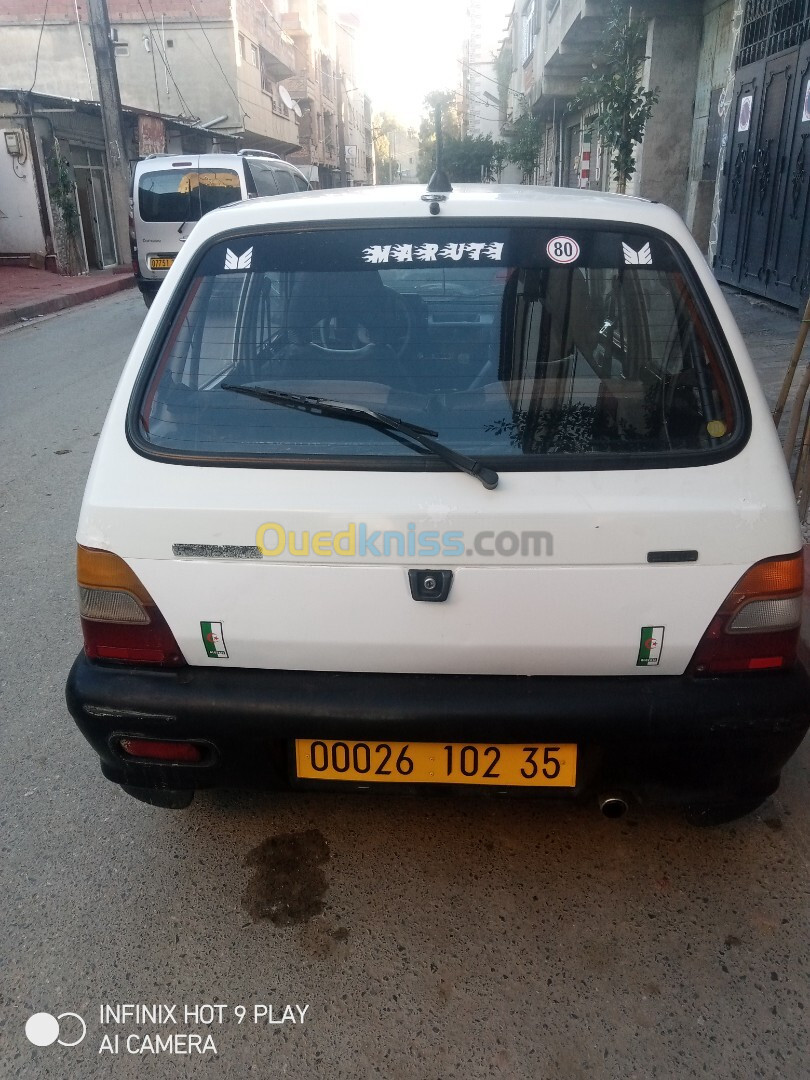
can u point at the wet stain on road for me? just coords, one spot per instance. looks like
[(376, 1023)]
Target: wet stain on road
[(288, 885)]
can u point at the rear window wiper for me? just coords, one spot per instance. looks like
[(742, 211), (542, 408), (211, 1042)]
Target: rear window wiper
[(388, 425)]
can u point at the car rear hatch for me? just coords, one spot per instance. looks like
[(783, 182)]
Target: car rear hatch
[(637, 479)]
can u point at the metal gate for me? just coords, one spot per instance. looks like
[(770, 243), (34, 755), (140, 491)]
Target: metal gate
[(764, 241)]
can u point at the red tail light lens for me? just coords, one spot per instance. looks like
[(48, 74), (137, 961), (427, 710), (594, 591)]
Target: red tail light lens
[(757, 626), (120, 620)]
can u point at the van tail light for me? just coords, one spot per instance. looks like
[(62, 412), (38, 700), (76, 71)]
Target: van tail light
[(757, 626), (133, 240), (120, 620)]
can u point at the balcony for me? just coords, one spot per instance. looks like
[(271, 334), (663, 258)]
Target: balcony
[(302, 87), (278, 54), (575, 29)]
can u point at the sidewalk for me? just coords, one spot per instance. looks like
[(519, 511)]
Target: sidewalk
[(770, 332), (26, 293)]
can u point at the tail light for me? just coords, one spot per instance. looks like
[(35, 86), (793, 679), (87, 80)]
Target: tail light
[(120, 620), (757, 626), (133, 240)]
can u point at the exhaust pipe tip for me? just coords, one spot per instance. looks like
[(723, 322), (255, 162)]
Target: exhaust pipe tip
[(613, 805)]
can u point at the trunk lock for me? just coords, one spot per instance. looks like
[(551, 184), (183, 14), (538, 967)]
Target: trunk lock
[(432, 586)]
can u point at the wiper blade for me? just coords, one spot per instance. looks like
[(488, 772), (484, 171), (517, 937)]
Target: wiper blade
[(360, 414)]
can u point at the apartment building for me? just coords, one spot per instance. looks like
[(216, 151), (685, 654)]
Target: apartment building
[(728, 145), (217, 64)]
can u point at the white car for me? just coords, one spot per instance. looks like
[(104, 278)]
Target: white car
[(469, 488)]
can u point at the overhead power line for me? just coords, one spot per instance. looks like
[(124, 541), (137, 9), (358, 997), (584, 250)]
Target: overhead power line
[(183, 102), (39, 43), (508, 89), (213, 53)]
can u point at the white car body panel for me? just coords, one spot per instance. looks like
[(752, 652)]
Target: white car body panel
[(577, 610)]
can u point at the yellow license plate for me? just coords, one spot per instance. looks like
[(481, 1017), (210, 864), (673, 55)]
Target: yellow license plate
[(160, 263), (499, 764)]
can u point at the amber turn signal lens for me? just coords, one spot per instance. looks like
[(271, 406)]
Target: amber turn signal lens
[(771, 577), (102, 570)]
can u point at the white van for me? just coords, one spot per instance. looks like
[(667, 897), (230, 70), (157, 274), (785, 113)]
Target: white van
[(474, 489), (170, 193)]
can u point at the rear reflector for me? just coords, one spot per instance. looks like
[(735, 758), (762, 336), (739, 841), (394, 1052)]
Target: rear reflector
[(186, 753), (120, 620), (757, 626)]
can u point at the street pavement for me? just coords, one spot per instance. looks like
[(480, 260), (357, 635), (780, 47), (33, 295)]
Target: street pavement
[(434, 937)]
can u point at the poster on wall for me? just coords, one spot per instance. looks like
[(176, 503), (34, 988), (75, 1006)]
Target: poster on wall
[(151, 135), (744, 122), (806, 110)]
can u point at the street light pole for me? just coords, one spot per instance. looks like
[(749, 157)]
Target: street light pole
[(110, 102)]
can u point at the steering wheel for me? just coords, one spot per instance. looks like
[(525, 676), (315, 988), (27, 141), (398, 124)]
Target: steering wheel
[(349, 333)]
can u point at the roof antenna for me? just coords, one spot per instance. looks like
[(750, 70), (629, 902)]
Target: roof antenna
[(440, 181)]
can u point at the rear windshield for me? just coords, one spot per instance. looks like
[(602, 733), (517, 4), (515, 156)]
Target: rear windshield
[(526, 347), (185, 194)]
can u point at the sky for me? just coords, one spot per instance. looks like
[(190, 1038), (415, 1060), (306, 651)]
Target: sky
[(409, 47)]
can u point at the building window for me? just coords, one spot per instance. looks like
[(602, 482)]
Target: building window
[(327, 80), (771, 26), (529, 28), (270, 87), (242, 51), (254, 55)]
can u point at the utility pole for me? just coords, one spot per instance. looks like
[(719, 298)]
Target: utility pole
[(110, 101), (340, 125)]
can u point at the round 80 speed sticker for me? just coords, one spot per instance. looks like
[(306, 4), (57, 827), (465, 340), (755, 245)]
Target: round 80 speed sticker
[(562, 249)]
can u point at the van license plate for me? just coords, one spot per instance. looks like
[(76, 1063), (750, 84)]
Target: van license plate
[(162, 262), (499, 764)]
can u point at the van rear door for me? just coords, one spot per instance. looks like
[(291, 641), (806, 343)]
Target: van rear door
[(170, 196)]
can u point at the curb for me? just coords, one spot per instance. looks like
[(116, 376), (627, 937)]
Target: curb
[(12, 316)]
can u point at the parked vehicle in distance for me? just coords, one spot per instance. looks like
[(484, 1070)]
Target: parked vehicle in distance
[(171, 192), (473, 489)]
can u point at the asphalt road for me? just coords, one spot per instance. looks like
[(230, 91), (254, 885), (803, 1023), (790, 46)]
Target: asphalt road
[(434, 938)]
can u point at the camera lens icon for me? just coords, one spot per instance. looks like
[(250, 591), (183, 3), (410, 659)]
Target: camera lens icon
[(42, 1029)]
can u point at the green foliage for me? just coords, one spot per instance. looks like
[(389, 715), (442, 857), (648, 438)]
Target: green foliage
[(466, 159), (451, 129), (473, 159), (63, 194), (386, 130), (526, 143), (500, 157), (615, 90)]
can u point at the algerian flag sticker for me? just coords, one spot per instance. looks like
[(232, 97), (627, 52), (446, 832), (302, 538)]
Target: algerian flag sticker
[(213, 640), (649, 651)]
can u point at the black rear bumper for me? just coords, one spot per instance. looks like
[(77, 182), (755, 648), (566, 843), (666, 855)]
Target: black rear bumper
[(667, 738)]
